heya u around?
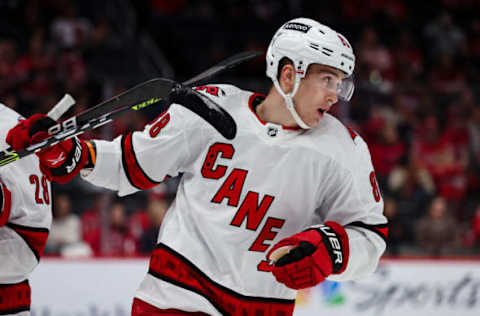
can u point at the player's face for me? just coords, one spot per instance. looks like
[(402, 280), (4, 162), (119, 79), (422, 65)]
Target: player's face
[(317, 93)]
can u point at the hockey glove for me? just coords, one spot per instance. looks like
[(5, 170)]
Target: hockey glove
[(5, 204), (29, 131), (315, 253), (61, 162), (64, 161)]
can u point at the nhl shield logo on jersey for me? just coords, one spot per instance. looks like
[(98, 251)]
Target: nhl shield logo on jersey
[(272, 131)]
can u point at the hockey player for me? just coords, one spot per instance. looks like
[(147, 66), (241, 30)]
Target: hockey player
[(294, 181), (25, 218)]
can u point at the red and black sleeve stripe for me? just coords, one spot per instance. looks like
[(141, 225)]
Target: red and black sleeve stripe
[(35, 237), (379, 229), (134, 172), (5, 204)]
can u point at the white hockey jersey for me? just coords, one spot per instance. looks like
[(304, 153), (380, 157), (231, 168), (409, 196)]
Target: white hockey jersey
[(23, 236), (237, 198)]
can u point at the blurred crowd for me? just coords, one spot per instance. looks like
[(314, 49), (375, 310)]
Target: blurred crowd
[(417, 100)]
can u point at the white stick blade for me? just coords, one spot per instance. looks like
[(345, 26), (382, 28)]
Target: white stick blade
[(61, 107)]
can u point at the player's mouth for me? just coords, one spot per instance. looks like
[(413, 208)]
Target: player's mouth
[(321, 112)]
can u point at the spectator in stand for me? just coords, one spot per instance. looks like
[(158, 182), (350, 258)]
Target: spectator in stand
[(412, 189), (474, 136), (456, 129), (36, 67), (92, 224), (472, 238), (378, 59), (474, 42), (387, 151), (437, 230), (445, 38), (9, 77), (119, 241), (436, 153), (446, 78), (408, 56), (396, 230), (65, 235), (158, 203), (69, 30)]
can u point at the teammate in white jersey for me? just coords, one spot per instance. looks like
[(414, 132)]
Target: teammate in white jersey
[(25, 219), (293, 179)]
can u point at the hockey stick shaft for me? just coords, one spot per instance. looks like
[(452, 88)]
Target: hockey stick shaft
[(147, 88), (155, 89), (136, 98)]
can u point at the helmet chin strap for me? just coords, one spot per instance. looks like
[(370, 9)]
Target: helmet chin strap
[(289, 101)]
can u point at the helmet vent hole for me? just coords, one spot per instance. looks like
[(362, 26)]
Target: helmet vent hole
[(320, 30), (342, 63), (315, 46), (327, 51)]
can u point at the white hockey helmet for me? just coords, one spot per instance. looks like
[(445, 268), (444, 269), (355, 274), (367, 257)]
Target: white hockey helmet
[(305, 42)]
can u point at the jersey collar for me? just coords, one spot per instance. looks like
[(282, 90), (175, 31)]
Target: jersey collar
[(254, 101)]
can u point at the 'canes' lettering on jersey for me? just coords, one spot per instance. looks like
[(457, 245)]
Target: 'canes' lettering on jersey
[(237, 198), (250, 208)]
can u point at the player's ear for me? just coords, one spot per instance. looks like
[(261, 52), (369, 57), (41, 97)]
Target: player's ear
[(287, 78)]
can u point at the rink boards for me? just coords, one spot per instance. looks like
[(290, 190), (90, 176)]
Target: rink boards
[(105, 287)]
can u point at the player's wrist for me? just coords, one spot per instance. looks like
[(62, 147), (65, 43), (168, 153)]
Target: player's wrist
[(92, 155), (335, 239)]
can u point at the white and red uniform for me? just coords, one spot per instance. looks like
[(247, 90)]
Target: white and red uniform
[(237, 198), (25, 219)]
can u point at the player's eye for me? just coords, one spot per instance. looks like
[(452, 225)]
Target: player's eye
[(327, 79), (329, 82)]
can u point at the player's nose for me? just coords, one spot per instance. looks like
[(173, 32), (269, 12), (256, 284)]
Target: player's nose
[(331, 98)]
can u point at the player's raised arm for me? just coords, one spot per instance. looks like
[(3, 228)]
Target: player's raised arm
[(142, 159), (135, 161)]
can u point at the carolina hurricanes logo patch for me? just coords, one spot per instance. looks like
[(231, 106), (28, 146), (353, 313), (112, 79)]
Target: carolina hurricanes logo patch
[(56, 161)]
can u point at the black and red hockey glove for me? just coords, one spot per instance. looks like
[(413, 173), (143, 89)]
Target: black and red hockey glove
[(61, 162), (29, 131), (315, 253), (64, 161)]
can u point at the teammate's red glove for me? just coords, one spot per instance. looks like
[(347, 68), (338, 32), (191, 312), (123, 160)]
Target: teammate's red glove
[(319, 251), (29, 131), (61, 162)]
